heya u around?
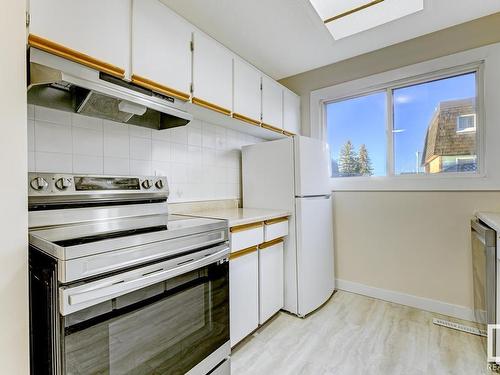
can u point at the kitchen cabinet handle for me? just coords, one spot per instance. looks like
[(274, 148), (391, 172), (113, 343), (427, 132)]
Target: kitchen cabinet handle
[(213, 107), (267, 244), (272, 128), (243, 252), (152, 85), (244, 227), (70, 54), (246, 119), (275, 221)]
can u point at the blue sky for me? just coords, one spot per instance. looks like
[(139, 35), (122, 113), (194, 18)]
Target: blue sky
[(362, 120)]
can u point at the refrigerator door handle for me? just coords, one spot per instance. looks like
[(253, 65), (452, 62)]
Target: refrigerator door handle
[(324, 196)]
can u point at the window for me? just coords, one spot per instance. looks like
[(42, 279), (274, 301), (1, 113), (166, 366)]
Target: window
[(431, 129), (356, 135), (466, 123)]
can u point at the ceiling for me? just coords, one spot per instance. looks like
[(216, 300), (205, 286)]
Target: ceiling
[(287, 37)]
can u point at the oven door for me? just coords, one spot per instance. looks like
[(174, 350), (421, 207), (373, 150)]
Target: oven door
[(166, 318)]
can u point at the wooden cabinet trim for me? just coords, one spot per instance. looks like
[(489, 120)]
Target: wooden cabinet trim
[(246, 119), (162, 89), (272, 128), (243, 252), (213, 107), (240, 228), (70, 54), (277, 220), (267, 244)]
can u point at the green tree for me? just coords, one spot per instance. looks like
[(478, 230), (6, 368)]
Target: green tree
[(364, 162), (348, 160)]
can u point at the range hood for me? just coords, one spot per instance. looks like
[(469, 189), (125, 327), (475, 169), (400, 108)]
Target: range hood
[(62, 84)]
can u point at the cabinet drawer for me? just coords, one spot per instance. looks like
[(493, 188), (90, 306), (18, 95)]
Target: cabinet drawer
[(247, 235), (275, 228)]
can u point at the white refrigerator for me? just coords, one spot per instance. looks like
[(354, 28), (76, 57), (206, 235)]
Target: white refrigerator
[(293, 174)]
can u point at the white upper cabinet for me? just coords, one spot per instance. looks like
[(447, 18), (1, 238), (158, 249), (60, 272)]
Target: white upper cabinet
[(291, 112), (247, 93), (161, 50), (97, 28), (212, 74), (272, 103)]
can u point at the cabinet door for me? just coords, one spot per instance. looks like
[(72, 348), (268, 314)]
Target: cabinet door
[(97, 28), (271, 292), (161, 51), (291, 112), (243, 295), (272, 103), (212, 74), (247, 94)]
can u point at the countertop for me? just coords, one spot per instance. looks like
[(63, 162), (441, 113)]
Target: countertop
[(492, 219), (241, 216)]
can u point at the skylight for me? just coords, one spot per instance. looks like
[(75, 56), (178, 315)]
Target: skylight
[(348, 17)]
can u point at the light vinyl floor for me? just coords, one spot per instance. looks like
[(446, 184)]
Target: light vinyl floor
[(353, 334)]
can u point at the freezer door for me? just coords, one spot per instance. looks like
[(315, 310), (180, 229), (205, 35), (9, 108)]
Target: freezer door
[(312, 167), (315, 262)]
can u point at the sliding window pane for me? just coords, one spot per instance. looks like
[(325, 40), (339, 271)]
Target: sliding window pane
[(357, 135), (435, 126)]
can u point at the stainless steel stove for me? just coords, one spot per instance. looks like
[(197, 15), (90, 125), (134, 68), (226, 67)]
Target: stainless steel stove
[(119, 286)]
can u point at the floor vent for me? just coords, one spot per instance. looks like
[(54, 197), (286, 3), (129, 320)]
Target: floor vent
[(460, 327)]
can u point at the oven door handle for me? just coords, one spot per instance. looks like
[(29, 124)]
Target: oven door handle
[(74, 300)]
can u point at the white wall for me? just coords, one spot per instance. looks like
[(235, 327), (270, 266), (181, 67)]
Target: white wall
[(202, 161), (415, 243), (13, 166)]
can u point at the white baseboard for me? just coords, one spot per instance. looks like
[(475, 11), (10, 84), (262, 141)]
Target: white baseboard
[(455, 311)]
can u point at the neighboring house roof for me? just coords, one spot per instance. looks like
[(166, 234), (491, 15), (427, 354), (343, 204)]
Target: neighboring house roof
[(442, 138)]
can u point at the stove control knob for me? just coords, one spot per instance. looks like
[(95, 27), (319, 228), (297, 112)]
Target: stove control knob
[(39, 184), (159, 184), (146, 184), (63, 183)]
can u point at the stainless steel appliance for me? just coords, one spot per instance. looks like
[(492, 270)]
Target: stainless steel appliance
[(118, 286), (65, 85), (484, 262)]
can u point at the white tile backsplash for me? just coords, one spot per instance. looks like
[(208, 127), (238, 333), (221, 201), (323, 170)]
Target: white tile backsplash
[(51, 137), (88, 164), (160, 150), (116, 166), (116, 143), (87, 141), (52, 115), (53, 162), (140, 167), (140, 148), (202, 161), (87, 122)]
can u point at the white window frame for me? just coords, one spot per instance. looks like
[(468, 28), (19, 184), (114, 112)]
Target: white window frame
[(448, 66), (469, 129)]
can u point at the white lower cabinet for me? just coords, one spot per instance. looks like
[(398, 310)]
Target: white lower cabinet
[(243, 294), (270, 279), (255, 277)]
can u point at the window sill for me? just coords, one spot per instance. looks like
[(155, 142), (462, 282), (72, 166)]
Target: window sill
[(449, 182)]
